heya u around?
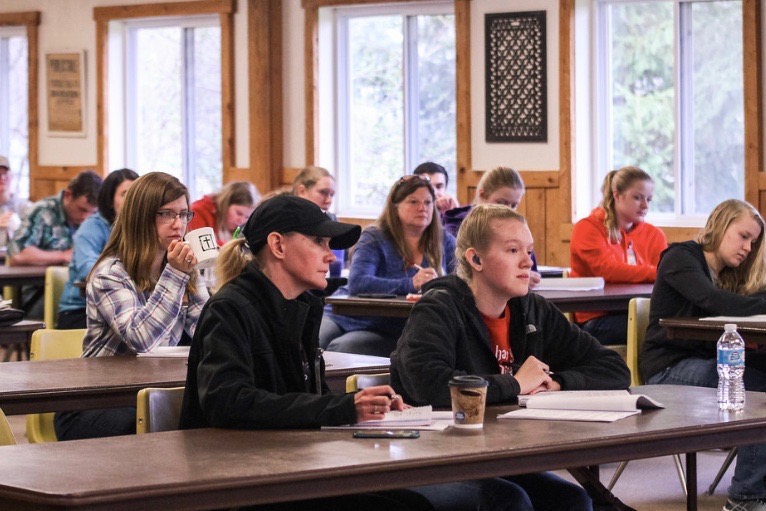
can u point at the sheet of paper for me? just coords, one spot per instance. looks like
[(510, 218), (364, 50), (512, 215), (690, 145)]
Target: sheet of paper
[(758, 318), (585, 393), (611, 403), (436, 425), (407, 417), (566, 415), (167, 352), (571, 284)]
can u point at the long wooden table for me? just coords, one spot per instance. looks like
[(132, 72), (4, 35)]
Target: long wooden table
[(19, 276), (216, 469), (104, 382), (614, 297), (17, 337), (696, 330)]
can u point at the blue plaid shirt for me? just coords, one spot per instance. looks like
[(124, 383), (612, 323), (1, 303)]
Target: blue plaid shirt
[(124, 321), (45, 227)]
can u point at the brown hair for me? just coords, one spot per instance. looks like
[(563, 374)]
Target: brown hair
[(134, 239), (476, 232), (618, 181), (748, 277), (431, 240), (237, 193), (309, 177), (499, 177)]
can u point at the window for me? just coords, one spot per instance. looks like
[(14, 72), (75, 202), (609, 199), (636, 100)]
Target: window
[(395, 99), (670, 100), (14, 122), (172, 100)]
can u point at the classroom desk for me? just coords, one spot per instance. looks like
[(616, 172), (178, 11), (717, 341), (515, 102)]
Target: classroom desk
[(218, 469), (614, 297), (104, 382), (695, 330), (22, 275), (17, 337)]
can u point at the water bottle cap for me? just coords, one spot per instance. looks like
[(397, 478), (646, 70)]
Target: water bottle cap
[(730, 327)]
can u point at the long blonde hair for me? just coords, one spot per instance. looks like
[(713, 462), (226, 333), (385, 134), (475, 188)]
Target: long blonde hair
[(476, 232), (134, 239), (499, 177), (750, 276), (618, 181), (431, 241), (236, 193), (231, 261)]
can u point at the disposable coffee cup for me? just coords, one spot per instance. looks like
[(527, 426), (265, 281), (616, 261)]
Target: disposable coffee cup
[(204, 246), (469, 396)]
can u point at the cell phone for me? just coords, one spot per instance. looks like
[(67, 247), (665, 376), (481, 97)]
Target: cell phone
[(376, 295), (377, 433)]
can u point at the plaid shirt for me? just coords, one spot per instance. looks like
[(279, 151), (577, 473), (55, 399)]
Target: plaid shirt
[(45, 227), (123, 321)]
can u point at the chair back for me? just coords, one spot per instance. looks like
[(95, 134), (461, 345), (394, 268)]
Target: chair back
[(6, 434), (49, 344), (55, 279), (356, 382), (638, 321), (158, 409)]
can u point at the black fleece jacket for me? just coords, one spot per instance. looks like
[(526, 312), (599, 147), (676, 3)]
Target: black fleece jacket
[(253, 360), (446, 336)]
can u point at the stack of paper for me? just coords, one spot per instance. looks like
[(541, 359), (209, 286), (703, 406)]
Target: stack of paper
[(420, 417), (571, 284), (594, 406), (757, 318), (167, 352)]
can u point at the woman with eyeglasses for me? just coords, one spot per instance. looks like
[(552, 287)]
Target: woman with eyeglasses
[(142, 292), (405, 249)]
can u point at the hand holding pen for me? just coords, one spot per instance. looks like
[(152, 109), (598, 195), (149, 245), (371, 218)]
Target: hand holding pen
[(535, 376), (422, 276)]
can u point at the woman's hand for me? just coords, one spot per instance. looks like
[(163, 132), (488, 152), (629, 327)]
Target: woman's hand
[(373, 403), (533, 377), (181, 257), (422, 276)]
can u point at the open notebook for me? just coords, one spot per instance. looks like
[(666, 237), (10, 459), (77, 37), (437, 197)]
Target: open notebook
[(418, 417), (582, 405)]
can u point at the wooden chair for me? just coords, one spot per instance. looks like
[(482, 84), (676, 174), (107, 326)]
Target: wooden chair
[(49, 344), (638, 321), (55, 279), (158, 409), (6, 434), (356, 382)]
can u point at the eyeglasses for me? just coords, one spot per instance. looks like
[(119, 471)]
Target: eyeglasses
[(168, 217), (409, 177)]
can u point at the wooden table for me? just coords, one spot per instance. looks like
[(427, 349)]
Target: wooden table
[(218, 469), (103, 382), (17, 337), (614, 297), (19, 276), (695, 330)]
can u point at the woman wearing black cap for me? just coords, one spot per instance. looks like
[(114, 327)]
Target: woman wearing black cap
[(254, 361)]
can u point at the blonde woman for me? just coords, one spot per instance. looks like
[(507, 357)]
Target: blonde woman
[(141, 293), (720, 273), (407, 248), (616, 243), (501, 185), (226, 210), (317, 185), (483, 321)]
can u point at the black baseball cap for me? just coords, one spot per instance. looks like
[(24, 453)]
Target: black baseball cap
[(288, 213)]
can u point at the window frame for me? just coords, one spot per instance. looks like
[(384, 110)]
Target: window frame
[(341, 17), (6, 33), (682, 110)]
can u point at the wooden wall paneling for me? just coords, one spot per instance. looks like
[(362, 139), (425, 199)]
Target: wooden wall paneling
[(463, 95), (102, 85), (753, 92), (311, 79), (276, 116), (228, 106)]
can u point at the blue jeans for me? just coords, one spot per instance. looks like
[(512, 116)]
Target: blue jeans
[(332, 337), (525, 492), (95, 423), (609, 329), (750, 472)]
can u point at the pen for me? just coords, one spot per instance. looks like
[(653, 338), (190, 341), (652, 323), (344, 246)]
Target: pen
[(515, 368)]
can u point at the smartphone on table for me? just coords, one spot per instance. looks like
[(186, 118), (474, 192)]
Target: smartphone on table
[(387, 433)]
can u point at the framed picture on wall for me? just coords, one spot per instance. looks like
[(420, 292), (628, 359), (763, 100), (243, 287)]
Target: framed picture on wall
[(65, 92), (516, 77)]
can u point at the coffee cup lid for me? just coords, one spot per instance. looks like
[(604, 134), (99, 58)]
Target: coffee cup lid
[(468, 381)]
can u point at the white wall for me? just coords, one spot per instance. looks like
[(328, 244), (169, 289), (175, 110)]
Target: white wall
[(68, 25)]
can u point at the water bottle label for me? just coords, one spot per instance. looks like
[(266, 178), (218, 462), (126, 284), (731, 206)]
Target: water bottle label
[(731, 357)]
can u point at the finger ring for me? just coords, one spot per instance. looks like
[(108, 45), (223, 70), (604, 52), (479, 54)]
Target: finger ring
[(188, 259), (374, 410)]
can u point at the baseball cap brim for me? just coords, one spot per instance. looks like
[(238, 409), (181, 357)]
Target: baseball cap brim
[(341, 235)]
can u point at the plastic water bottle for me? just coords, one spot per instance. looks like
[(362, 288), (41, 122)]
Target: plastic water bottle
[(731, 369)]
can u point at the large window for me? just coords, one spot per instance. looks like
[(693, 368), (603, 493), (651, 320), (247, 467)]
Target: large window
[(14, 121), (172, 100), (670, 99), (395, 98)]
